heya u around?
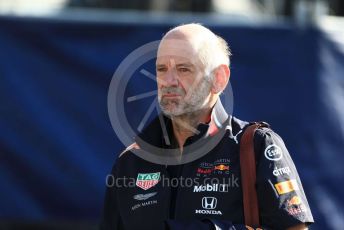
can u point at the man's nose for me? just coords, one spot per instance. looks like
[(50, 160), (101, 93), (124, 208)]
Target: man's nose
[(171, 78)]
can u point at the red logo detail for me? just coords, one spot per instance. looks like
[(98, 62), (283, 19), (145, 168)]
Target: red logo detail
[(204, 171), (221, 167), (146, 184)]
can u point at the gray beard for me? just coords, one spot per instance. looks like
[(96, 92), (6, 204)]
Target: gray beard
[(195, 102)]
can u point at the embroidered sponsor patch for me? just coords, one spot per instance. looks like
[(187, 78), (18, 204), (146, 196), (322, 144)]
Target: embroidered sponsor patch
[(204, 169), (209, 205), (144, 204), (286, 186), (147, 180), (295, 206), (221, 167), (144, 196), (273, 153), (281, 171), (211, 188), (295, 200)]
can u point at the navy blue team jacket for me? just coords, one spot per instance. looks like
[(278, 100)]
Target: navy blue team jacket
[(204, 193)]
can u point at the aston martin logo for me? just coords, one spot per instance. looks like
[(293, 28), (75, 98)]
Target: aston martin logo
[(144, 196)]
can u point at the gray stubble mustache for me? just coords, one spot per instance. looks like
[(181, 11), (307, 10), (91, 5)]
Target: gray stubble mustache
[(174, 90)]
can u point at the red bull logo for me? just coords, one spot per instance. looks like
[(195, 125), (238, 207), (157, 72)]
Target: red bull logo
[(221, 167)]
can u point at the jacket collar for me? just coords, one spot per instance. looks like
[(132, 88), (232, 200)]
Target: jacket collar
[(160, 131), (218, 119)]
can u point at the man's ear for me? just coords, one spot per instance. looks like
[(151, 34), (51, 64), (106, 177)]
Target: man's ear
[(221, 79)]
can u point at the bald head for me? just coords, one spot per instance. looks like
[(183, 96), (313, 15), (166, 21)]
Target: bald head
[(211, 49), (195, 32)]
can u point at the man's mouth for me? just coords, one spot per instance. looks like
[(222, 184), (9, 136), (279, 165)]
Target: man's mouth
[(171, 95)]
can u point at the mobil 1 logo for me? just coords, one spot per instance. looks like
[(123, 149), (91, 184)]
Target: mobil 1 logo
[(211, 188)]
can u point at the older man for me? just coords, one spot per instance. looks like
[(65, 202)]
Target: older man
[(192, 69)]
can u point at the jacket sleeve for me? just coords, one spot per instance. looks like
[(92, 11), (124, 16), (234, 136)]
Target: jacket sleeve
[(111, 218), (281, 198)]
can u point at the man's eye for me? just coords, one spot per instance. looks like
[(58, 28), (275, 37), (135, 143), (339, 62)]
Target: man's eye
[(161, 69), (183, 70)]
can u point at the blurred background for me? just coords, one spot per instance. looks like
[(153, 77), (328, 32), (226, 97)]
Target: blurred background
[(57, 58)]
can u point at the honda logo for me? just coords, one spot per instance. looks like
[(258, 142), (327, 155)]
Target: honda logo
[(209, 202)]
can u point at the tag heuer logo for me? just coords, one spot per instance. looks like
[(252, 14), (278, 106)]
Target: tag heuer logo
[(147, 180)]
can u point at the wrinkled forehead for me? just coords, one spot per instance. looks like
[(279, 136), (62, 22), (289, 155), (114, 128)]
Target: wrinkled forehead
[(178, 50)]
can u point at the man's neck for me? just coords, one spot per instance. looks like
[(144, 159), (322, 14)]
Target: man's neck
[(185, 126)]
